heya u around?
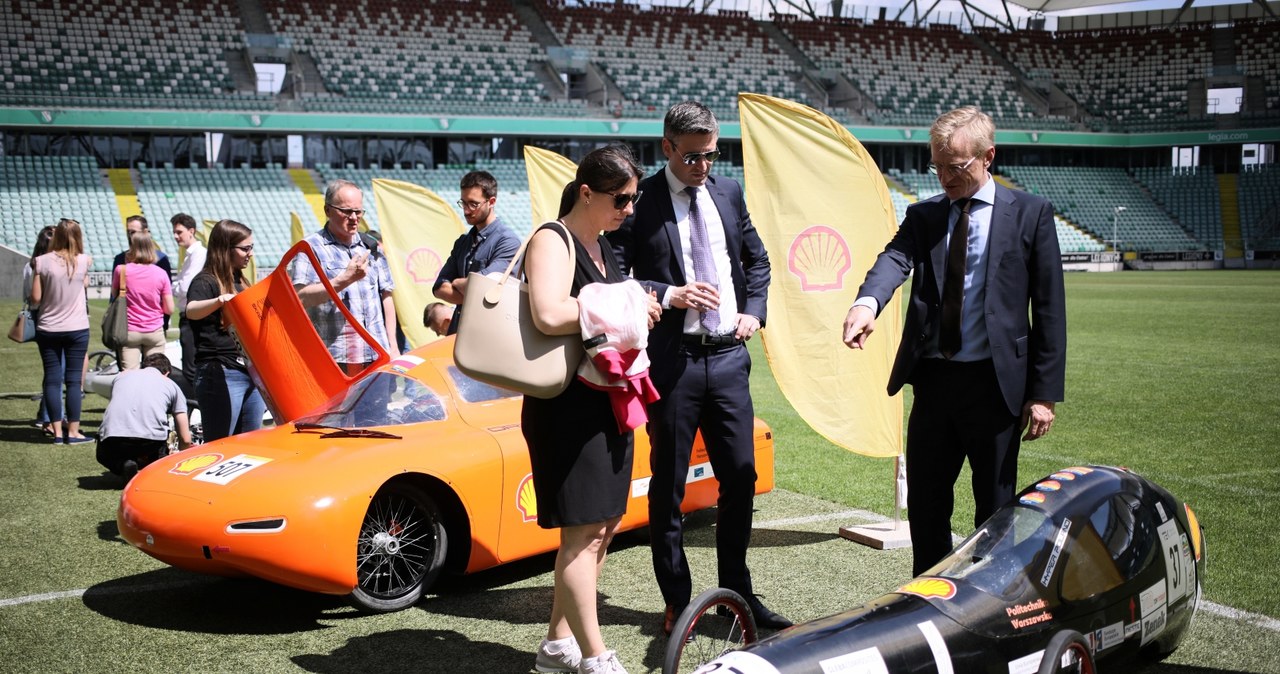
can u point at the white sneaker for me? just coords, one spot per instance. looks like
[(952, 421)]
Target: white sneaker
[(562, 655), (605, 663)]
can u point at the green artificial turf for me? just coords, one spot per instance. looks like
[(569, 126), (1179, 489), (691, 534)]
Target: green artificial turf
[(1176, 375)]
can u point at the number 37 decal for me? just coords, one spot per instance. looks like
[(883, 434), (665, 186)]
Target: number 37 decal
[(230, 469)]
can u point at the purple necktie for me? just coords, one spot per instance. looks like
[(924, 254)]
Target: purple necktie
[(704, 265), (953, 283)]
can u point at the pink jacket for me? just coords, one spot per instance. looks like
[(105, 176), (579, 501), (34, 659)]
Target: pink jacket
[(614, 318)]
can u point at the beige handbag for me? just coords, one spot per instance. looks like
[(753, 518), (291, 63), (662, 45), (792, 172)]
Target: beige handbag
[(497, 342)]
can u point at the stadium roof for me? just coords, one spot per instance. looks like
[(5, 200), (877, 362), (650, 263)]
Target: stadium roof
[(1050, 6)]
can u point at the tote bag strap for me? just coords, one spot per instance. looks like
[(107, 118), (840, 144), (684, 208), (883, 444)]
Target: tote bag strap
[(495, 293), (123, 285)]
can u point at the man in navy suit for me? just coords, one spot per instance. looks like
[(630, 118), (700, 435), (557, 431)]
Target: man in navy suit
[(691, 241), (997, 370)]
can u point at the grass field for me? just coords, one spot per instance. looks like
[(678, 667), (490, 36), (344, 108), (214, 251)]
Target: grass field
[(1176, 375)]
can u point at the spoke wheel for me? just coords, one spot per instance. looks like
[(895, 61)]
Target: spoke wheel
[(718, 621), (400, 550), (1067, 653)]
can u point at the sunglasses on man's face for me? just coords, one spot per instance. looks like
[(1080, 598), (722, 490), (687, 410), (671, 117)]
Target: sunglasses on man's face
[(621, 199)]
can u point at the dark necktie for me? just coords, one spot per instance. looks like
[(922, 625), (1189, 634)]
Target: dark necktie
[(953, 284), (704, 266)]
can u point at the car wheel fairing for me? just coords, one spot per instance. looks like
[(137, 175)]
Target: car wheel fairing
[(717, 622), (1067, 653), (400, 550)]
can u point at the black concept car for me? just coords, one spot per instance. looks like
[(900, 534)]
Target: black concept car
[(1090, 566)]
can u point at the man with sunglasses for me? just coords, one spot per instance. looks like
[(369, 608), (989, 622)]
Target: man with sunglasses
[(981, 367), (691, 242), (487, 247), (360, 275)]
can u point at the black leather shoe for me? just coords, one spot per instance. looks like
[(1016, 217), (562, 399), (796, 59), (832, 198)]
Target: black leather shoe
[(764, 617)]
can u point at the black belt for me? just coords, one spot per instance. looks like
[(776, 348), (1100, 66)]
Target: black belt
[(705, 342)]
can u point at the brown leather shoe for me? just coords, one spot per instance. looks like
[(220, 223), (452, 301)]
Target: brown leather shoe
[(670, 617)]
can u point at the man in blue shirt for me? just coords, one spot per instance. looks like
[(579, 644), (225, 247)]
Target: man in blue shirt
[(487, 247)]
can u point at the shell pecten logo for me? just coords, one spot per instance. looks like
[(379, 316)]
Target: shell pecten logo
[(527, 499), (819, 257), (195, 463), (927, 588)]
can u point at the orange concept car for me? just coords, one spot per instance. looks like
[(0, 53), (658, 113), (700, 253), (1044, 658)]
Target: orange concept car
[(368, 485)]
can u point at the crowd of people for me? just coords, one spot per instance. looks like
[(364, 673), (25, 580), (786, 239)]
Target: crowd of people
[(983, 344)]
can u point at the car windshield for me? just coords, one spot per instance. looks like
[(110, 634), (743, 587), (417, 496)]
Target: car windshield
[(381, 399), (1000, 557)]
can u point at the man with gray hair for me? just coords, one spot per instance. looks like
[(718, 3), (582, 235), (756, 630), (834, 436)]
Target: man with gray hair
[(692, 243), (984, 345), (359, 273)]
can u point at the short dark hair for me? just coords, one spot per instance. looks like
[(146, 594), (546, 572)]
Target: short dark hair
[(689, 117), (183, 219), (139, 218), (159, 361), (484, 180)]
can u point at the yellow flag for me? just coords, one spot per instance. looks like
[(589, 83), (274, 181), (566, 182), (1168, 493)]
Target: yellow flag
[(548, 174), (295, 228), (418, 230), (823, 210)]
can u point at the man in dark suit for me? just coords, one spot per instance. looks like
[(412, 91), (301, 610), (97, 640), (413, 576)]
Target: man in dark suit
[(691, 241), (982, 369)]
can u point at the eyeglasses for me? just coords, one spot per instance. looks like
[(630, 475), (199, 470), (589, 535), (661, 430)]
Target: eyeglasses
[(244, 249), (691, 158), (950, 168), (620, 199), (470, 205), (348, 212)]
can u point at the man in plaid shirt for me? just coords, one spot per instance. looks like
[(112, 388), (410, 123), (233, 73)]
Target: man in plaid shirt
[(358, 272)]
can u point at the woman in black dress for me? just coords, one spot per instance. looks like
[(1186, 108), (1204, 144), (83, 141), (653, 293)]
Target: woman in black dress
[(581, 463)]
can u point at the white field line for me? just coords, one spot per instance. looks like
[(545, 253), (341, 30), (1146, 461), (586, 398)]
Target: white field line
[(1255, 619)]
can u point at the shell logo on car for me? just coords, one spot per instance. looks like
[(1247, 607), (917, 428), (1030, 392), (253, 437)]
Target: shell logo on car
[(526, 499), (198, 462), (930, 587)]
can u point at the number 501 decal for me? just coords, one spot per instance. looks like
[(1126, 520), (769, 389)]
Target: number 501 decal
[(225, 472)]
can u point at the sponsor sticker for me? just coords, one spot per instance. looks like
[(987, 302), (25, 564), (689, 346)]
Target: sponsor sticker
[(1057, 551), (1034, 498), (1078, 470), (699, 472), (1064, 476), (405, 363), (1048, 485), (866, 661), (1153, 625), (1152, 598), (640, 487), (1160, 509), (1027, 664), (230, 469), (1108, 637), (1132, 629), (930, 588), (197, 462)]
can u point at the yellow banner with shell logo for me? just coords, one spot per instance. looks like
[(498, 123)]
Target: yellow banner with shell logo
[(418, 231), (823, 211)]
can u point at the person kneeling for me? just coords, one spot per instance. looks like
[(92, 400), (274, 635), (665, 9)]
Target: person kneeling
[(135, 425)]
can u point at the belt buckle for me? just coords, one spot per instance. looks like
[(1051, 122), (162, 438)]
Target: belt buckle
[(708, 339)]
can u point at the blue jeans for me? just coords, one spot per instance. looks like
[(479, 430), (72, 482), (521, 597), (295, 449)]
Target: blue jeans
[(63, 356), (229, 402)]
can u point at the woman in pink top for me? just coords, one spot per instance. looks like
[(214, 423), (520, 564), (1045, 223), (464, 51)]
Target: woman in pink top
[(150, 296), (62, 326)]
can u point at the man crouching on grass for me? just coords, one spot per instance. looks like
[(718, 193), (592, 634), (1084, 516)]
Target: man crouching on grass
[(135, 425)]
